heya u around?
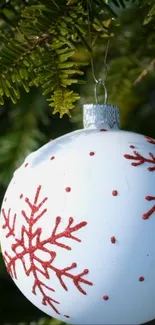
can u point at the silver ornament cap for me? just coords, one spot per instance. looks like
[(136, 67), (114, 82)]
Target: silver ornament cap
[(98, 116)]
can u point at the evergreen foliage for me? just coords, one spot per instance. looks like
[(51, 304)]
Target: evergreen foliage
[(46, 38)]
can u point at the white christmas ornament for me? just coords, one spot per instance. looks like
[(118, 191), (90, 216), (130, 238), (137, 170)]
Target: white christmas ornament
[(78, 224)]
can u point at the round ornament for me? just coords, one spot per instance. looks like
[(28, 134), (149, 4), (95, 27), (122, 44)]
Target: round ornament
[(78, 224)]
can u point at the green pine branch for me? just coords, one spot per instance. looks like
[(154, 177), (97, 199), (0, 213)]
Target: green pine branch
[(45, 43), (63, 99), (40, 58)]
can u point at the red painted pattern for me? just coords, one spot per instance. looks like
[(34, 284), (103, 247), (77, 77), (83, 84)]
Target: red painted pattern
[(150, 140), (68, 189), (148, 214), (34, 236), (105, 297), (140, 160), (114, 193), (91, 153), (149, 198), (10, 228), (113, 240)]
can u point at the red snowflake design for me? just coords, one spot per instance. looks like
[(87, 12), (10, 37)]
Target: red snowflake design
[(36, 212), (140, 160), (150, 140), (7, 223), (152, 210)]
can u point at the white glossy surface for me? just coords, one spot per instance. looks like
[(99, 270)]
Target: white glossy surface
[(114, 268)]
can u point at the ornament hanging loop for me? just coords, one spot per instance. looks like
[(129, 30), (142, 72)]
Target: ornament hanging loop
[(100, 82)]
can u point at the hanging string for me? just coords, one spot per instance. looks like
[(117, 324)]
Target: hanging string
[(102, 81), (56, 4)]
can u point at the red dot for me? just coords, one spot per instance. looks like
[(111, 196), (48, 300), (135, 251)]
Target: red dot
[(114, 193), (26, 164), (113, 240), (21, 196), (105, 297), (52, 158), (141, 278), (103, 130), (91, 153), (68, 189), (132, 147), (67, 316)]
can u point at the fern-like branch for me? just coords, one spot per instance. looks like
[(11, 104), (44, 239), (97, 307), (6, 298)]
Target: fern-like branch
[(43, 56), (42, 52)]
